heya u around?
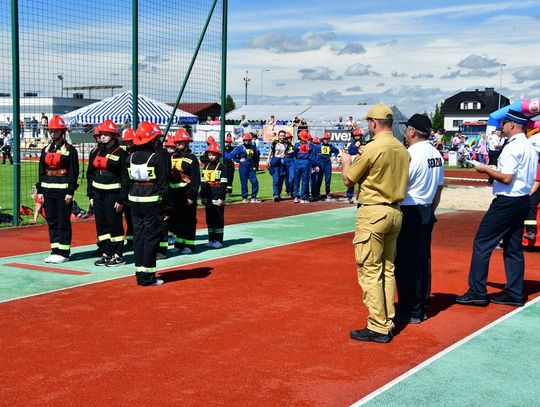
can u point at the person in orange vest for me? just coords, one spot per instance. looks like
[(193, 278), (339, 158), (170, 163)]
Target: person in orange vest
[(58, 175), (213, 194), (106, 188), (148, 180)]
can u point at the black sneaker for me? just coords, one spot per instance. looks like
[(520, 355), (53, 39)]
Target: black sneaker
[(470, 299), (102, 261), (367, 335), (505, 299), (114, 261)]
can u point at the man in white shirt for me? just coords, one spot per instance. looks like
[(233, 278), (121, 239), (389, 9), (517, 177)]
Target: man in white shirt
[(514, 176), (413, 257)]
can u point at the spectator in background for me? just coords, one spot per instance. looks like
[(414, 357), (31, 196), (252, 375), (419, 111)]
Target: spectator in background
[(303, 125), (271, 121), (34, 127), (7, 147), (44, 122), (340, 124), (296, 123), (243, 121), (351, 124), (21, 124), (456, 140)]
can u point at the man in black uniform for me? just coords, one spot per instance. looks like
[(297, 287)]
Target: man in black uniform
[(58, 175), (148, 179)]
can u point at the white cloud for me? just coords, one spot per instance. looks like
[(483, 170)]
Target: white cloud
[(351, 48), (396, 74), (282, 43), (390, 43), (319, 73), (360, 70), (422, 76), (528, 74), (354, 89), (478, 62)]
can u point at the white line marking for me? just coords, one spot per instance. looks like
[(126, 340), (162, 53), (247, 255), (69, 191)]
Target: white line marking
[(439, 355)]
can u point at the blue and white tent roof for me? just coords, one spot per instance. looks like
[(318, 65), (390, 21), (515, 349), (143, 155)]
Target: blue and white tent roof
[(119, 109)]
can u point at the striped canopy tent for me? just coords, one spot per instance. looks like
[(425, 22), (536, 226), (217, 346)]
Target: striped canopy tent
[(119, 108)]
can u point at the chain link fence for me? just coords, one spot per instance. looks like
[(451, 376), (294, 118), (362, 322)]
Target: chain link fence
[(73, 53)]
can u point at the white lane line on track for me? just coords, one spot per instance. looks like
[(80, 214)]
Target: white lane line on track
[(439, 355)]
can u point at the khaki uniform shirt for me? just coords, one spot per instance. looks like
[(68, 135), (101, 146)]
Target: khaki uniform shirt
[(382, 171)]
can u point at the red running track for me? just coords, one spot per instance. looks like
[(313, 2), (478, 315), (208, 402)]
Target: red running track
[(267, 328)]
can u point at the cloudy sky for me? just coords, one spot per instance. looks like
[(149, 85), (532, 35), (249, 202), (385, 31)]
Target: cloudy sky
[(412, 54)]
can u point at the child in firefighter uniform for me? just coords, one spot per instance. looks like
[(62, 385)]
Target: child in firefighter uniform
[(213, 193), (58, 175), (304, 155), (148, 174), (326, 151), (229, 163), (246, 154), (289, 165), (128, 135), (106, 188), (184, 189)]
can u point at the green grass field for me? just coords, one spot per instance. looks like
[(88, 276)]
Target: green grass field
[(29, 176)]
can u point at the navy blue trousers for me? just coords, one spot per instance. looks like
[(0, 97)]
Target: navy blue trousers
[(503, 220)]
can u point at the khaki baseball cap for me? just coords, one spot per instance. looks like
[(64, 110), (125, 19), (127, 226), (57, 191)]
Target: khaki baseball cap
[(379, 111)]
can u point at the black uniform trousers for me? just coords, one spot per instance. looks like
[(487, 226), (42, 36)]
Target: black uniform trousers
[(59, 220), (109, 224), (147, 222), (530, 224), (183, 221), (129, 226), (503, 220), (413, 260), (230, 176), (215, 221)]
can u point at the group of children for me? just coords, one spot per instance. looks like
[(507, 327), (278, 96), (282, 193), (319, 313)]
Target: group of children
[(303, 166), (155, 188)]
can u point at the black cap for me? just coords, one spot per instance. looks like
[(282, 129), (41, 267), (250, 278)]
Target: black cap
[(516, 117), (420, 122)]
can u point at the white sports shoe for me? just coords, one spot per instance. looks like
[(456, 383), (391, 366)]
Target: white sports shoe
[(245, 200), (57, 259), (49, 259), (255, 200)]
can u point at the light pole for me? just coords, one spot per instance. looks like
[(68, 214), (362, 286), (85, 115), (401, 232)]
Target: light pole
[(262, 72), (246, 80), (61, 77), (500, 85)]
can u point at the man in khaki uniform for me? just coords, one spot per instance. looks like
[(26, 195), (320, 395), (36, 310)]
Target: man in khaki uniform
[(382, 170)]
